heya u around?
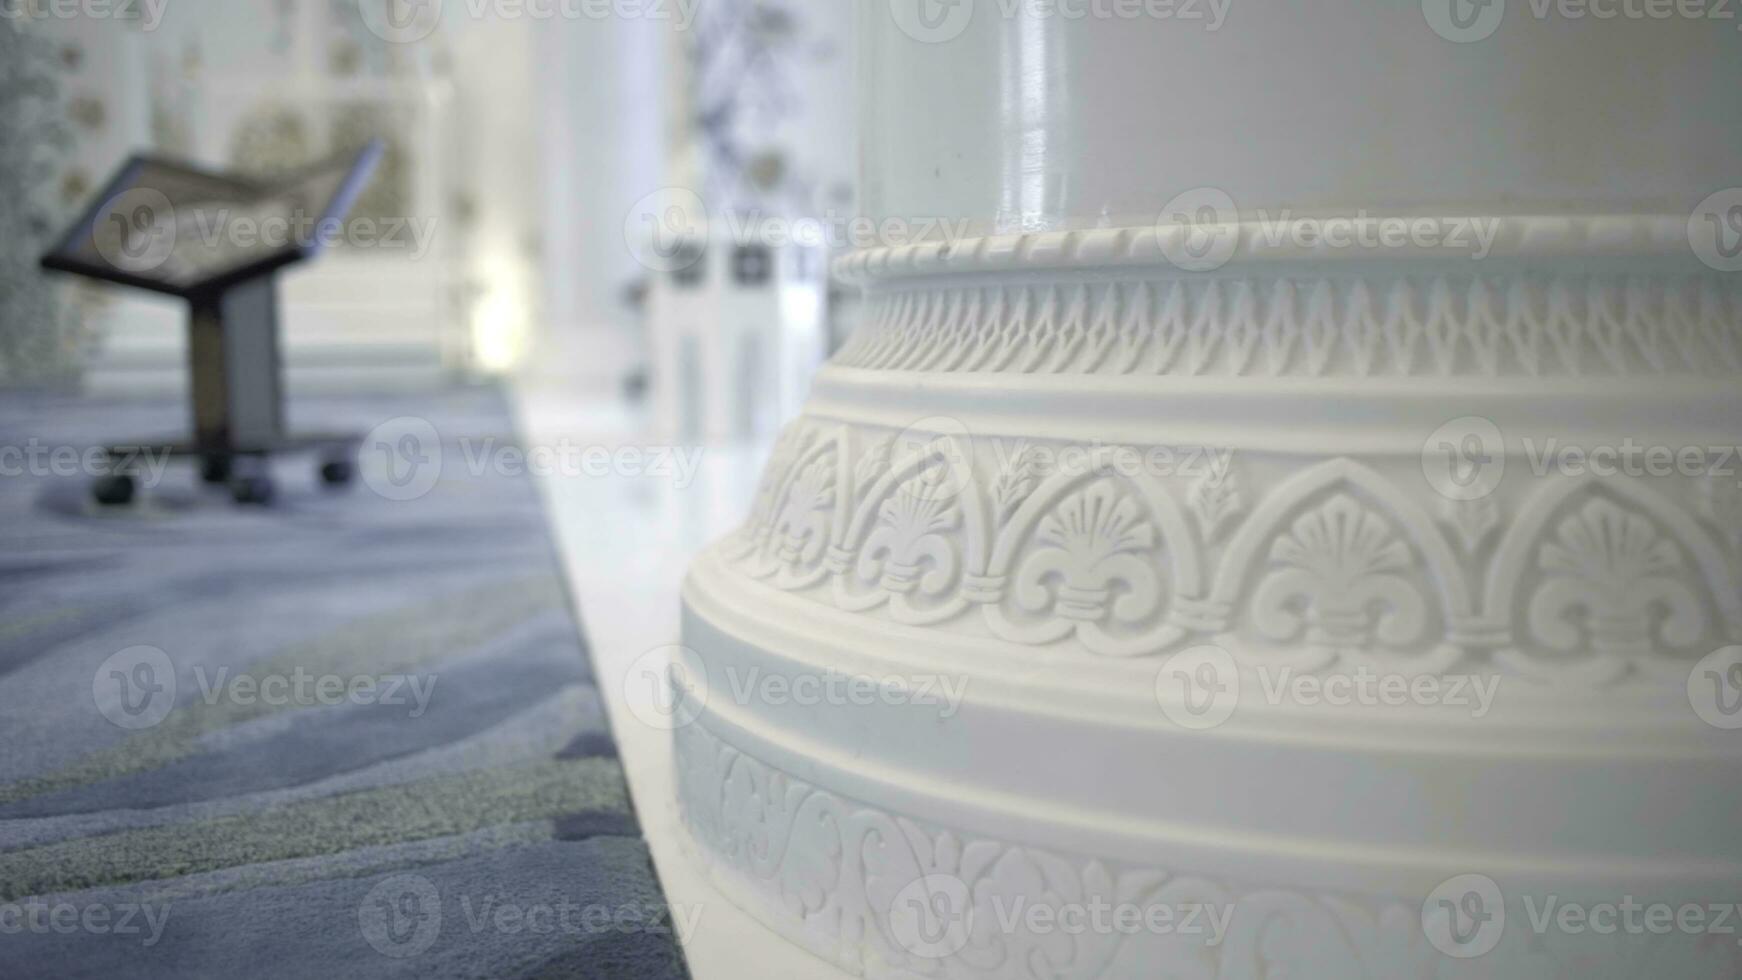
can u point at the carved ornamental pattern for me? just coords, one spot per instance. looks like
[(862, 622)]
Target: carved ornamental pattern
[(1331, 566), (1516, 325), (840, 872)]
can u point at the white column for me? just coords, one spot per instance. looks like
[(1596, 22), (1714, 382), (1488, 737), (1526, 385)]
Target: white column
[(1294, 532), (601, 105)]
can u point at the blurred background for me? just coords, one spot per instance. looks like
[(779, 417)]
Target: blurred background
[(596, 230), (551, 175)]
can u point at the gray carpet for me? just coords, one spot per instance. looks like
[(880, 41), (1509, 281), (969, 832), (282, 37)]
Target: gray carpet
[(345, 736)]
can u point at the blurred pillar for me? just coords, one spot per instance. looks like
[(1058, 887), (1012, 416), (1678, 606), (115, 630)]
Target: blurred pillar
[(600, 86)]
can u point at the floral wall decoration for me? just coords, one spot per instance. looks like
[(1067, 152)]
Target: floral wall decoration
[(40, 342)]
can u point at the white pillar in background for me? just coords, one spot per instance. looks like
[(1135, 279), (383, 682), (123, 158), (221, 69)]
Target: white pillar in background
[(601, 106)]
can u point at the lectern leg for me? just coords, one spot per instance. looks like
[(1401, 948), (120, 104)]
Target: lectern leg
[(233, 366)]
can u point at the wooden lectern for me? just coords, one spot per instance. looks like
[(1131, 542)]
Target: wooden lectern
[(218, 242)]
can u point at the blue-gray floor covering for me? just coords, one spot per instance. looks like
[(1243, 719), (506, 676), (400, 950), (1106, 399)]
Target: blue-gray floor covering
[(472, 822)]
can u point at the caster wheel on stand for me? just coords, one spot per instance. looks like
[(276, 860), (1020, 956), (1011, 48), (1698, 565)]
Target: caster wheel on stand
[(215, 468), (115, 490), (337, 472), (253, 488)]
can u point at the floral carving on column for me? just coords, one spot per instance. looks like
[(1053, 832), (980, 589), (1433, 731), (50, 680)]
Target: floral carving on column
[(909, 545), (1332, 566), (1613, 577), (1342, 581), (1093, 540), (1092, 568), (907, 535), (858, 873), (792, 444), (788, 550), (1601, 581), (801, 530)]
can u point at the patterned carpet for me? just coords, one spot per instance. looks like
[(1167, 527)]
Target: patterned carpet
[(347, 736)]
